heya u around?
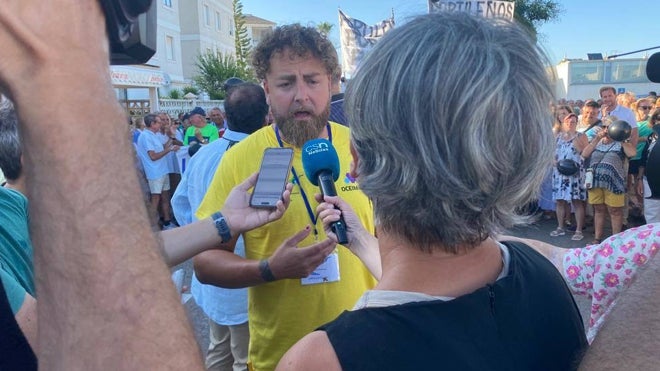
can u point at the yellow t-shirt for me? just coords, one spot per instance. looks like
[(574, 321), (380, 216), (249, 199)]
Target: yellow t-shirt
[(282, 312)]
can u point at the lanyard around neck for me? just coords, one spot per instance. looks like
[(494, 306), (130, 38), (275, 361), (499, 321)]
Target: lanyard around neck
[(296, 179)]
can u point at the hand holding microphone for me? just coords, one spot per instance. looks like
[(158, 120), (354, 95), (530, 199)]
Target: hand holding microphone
[(360, 241), (321, 165), (331, 209)]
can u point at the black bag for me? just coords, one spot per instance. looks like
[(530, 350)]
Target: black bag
[(567, 167)]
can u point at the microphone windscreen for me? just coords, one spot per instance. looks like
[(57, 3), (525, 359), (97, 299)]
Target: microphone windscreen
[(319, 155), (653, 67)]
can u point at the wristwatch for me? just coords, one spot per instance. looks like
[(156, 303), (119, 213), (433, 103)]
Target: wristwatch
[(221, 226)]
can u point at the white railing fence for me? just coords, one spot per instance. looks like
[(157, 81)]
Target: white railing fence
[(175, 106)]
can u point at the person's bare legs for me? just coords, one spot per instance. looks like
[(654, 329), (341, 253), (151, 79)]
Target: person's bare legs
[(561, 213), (154, 204), (616, 217), (599, 220), (165, 207), (175, 179), (579, 208)]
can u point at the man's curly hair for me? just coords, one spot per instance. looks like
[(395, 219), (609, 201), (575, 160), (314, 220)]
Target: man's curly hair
[(301, 41)]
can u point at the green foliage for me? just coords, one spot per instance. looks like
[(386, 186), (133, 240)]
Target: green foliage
[(533, 13), (214, 69), (190, 89), (174, 94), (324, 28), (242, 42)]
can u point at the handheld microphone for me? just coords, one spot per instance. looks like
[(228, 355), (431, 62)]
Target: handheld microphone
[(321, 165)]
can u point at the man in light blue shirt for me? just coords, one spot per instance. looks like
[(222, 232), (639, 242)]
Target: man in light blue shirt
[(246, 110)]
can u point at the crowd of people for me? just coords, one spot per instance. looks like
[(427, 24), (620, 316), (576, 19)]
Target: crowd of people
[(598, 175), (427, 278)]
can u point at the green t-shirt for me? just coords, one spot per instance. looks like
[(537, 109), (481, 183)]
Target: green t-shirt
[(644, 130), (209, 132), (16, 269)]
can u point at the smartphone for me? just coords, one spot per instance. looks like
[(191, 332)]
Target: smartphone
[(272, 178)]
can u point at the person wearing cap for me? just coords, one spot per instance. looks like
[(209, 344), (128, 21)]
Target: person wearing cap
[(200, 131)]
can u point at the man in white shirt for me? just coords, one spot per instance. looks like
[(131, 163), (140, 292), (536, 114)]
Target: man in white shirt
[(152, 153), (229, 336), (610, 107)]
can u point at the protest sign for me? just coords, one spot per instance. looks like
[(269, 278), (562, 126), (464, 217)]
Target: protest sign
[(488, 9), (357, 38)]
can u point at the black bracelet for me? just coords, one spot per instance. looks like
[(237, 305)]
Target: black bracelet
[(264, 270)]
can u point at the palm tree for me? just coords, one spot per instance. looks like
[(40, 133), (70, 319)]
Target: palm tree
[(325, 28)]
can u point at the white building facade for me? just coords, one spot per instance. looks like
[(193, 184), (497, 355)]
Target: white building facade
[(581, 79), (258, 28), (185, 30), (206, 27)]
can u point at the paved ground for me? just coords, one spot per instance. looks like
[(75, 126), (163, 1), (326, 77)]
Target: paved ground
[(540, 231)]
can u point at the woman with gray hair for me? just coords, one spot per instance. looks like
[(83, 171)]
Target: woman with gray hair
[(443, 185)]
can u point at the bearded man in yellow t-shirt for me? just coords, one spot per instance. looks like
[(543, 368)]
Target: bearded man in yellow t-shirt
[(295, 64)]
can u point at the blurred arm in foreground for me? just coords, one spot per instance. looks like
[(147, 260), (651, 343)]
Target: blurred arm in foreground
[(98, 261)]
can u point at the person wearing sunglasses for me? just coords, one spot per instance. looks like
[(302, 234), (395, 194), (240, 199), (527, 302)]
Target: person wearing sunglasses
[(642, 108)]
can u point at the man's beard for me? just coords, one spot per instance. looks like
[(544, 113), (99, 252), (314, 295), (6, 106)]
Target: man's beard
[(298, 132)]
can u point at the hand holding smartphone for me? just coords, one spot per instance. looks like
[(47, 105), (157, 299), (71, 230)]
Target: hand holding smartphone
[(272, 178)]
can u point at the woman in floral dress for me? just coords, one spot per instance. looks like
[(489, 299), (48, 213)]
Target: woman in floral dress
[(569, 190)]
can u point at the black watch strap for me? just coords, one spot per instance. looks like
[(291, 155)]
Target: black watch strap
[(221, 226)]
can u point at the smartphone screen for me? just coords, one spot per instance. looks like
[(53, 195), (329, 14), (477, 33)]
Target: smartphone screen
[(272, 178)]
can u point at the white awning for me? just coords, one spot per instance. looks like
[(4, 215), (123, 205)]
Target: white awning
[(137, 76)]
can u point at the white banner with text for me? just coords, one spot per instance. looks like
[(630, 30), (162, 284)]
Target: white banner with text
[(357, 38), (488, 9)]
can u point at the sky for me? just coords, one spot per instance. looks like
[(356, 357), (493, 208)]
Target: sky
[(584, 26)]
